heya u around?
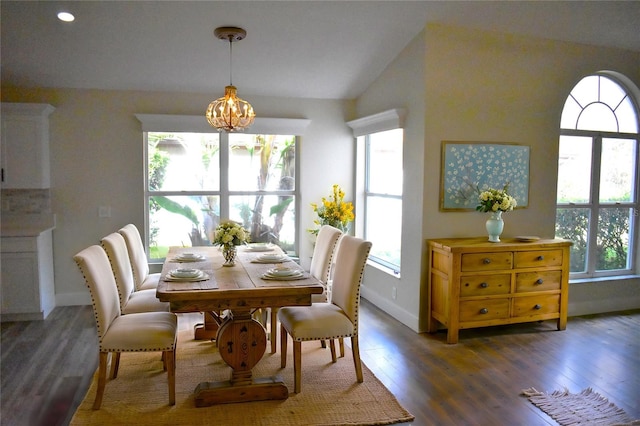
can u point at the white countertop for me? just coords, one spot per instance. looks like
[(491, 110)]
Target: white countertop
[(26, 225)]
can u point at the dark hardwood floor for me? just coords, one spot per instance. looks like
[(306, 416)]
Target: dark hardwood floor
[(46, 366)]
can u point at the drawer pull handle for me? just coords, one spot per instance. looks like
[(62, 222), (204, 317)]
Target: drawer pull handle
[(539, 281), (486, 261), (537, 307), (484, 285), (541, 257), (484, 311)]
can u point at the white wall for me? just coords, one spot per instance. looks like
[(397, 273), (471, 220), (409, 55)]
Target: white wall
[(97, 156), (401, 85), (472, 85)]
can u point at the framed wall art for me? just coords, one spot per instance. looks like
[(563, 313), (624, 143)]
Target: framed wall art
[(470, 167)]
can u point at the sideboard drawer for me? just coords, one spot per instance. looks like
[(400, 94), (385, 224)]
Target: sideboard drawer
[(487, 261), (538, 258), (484, 285), (536, 305), (538, 281), (482, 310)]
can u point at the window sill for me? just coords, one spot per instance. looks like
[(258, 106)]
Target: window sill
[(393, 272), (603, 279)]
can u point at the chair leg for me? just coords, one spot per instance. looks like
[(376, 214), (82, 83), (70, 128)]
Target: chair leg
[(274, 329), (297, 365), (332, 347), (341, 342), (170, 358), (283, 346), (115, 364), (356, 358), (323, 343), (102, 379)]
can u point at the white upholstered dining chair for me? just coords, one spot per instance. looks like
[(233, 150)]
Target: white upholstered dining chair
[(131, 301), (142, 279), (117, 333), (333, 320), (320, 268)]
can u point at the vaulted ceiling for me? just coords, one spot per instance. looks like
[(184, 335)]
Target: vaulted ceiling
[(302, 49)]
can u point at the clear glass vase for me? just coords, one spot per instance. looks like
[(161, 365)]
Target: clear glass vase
[(229, 253)]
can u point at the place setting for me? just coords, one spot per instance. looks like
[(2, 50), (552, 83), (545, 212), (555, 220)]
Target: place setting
[(186, 274), (188, 257), (283, 273), (271, 258), (260, 247)]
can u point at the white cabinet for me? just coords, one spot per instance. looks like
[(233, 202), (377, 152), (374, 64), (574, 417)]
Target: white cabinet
[(27, 291), (25, 145)]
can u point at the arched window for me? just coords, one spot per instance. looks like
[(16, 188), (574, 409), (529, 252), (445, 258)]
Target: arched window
[(597, 195)]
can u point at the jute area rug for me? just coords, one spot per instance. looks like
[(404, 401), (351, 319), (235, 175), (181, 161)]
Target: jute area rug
[(330, 394), (584, 408)]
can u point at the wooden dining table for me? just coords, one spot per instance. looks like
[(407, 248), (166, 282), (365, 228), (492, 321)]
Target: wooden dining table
[(229, 296)]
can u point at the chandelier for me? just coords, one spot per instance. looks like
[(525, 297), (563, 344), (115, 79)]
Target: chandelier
[(230, 113)]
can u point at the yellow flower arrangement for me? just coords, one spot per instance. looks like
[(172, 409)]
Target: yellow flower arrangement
[(333, 211)]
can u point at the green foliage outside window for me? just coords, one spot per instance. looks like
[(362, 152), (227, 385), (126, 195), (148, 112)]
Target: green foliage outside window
[(612, 244)]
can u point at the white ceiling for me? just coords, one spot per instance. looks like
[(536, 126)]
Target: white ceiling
[(303, 49)]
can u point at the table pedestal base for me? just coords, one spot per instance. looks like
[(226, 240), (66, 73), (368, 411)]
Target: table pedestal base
[(209, 329), (267, 388)]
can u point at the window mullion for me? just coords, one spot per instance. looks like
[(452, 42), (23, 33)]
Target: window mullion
[(225, 151), (594, 210)]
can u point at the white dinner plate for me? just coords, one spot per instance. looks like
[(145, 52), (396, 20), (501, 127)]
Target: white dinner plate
[(200, 277), (189, 258), (299, 276), (185, 273), (260, 247), (271, 258), (283, 272)]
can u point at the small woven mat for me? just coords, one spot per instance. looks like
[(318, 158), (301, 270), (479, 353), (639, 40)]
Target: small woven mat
[(584, 408), (330, 393)]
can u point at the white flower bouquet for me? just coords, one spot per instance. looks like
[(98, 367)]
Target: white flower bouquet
[(493, 200), (229, 234)]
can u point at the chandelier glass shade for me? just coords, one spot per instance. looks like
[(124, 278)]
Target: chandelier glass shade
[(230, 113)]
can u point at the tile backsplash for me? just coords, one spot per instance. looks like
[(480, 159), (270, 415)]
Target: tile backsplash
[(26, 201)]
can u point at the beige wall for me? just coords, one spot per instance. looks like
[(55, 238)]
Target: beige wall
[(456, 84), (97, 157), (486, 86)]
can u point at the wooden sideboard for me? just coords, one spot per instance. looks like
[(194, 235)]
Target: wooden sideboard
[(476, 283)]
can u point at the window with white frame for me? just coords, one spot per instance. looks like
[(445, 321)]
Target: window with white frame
[(597, 194), (193, 180), (380, 178)]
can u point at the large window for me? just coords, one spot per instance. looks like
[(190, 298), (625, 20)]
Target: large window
[(379, 181), (195, 180), (383, 196), (597, 194)]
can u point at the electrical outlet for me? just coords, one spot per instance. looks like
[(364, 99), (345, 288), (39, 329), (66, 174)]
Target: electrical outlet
[(104, 211), (394, 293)]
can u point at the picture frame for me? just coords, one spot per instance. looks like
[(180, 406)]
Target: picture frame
[(467, 168)]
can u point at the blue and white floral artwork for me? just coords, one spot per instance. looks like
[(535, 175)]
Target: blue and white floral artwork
[(469, 168)]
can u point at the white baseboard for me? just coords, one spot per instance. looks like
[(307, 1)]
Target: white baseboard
[(392, 309)]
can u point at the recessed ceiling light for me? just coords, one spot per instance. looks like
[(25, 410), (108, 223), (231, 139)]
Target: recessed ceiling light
[(66, 16)]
